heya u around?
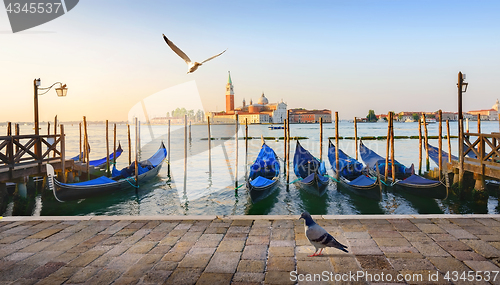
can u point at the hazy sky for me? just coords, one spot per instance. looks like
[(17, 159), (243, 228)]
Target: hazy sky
[(347, 56)]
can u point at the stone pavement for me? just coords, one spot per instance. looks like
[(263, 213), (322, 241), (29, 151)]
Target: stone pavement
[(440, 249)]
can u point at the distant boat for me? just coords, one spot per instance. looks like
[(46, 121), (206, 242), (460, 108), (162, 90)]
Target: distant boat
[(276, 127), (409, 120), (428, 120)]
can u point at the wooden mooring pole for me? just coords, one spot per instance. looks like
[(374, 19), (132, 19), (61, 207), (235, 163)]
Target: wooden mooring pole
[(440, 137), (356, 137), (284, 147), (419, 147), (209, 147), (80, 153), (114, 144), (449, 140), (479, 145), (86, 143), (185, 141), (321, 139), (337, 145), (136, 163), (388, 145), (427, 162), (168, 149), (246, 148), (107, 148), (393, 170), (129, 145), (287, 147), (236, 153), (17, 133), (460, 131), (63, 154), (55, 133), (478, 123)]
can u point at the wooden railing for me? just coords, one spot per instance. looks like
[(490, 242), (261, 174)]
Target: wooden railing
[(22, 150), (486, 148)]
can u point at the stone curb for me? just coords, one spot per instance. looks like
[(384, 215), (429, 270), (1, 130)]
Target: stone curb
[(242, 217)]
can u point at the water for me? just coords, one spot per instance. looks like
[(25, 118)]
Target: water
[(194, 190)]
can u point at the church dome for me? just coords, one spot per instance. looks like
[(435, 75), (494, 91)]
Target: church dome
[(495, 107), (263, 100)]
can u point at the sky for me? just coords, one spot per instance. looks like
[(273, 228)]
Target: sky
[(346, 56)]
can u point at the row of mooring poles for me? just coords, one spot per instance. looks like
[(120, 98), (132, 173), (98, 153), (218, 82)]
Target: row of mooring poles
[(86, 146)]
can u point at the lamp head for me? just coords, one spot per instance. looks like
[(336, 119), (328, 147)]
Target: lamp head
[(62, 90)]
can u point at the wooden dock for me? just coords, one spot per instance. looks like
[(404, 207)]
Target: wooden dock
[(26, 155), (486, 150)]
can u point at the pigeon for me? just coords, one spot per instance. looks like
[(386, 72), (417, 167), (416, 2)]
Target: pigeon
[(318, 236), (192, 66)]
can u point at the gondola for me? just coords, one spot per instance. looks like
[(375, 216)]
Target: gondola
[(434, 155), (99, 163), (351, 175), (310, 172), (420, 186), (372, 159), (406, 179), (120, 179), (264, 174)]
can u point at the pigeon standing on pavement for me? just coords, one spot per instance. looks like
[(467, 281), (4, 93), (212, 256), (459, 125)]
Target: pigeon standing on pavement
[(318, 236), (192, 66)]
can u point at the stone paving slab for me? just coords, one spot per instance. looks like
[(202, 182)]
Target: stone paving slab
[(394, 249)]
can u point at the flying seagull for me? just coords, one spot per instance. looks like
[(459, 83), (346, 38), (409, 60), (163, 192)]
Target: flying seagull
[(192, 66), (318, 236)]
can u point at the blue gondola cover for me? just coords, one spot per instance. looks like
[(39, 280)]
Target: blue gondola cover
[(417, 180), (266, 165)]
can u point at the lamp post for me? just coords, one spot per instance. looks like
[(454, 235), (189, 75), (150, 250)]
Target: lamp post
[(61, 92), (462, 87)]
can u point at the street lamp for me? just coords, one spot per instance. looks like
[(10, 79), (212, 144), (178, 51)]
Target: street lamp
[(61, 92)]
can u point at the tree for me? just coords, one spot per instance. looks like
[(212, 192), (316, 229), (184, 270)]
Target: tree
[(415, 116), (371, 116)]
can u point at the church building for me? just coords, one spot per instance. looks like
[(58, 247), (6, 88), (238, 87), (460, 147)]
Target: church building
[(255, 113)]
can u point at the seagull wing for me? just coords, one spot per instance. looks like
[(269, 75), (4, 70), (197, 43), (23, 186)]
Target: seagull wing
[(213, 57), (177, 50)]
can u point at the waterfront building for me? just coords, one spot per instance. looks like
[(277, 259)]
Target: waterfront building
[(310, 116)]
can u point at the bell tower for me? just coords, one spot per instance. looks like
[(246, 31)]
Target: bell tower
[(229, 95)]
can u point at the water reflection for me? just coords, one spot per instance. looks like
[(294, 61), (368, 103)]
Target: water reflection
[(204, 182)]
